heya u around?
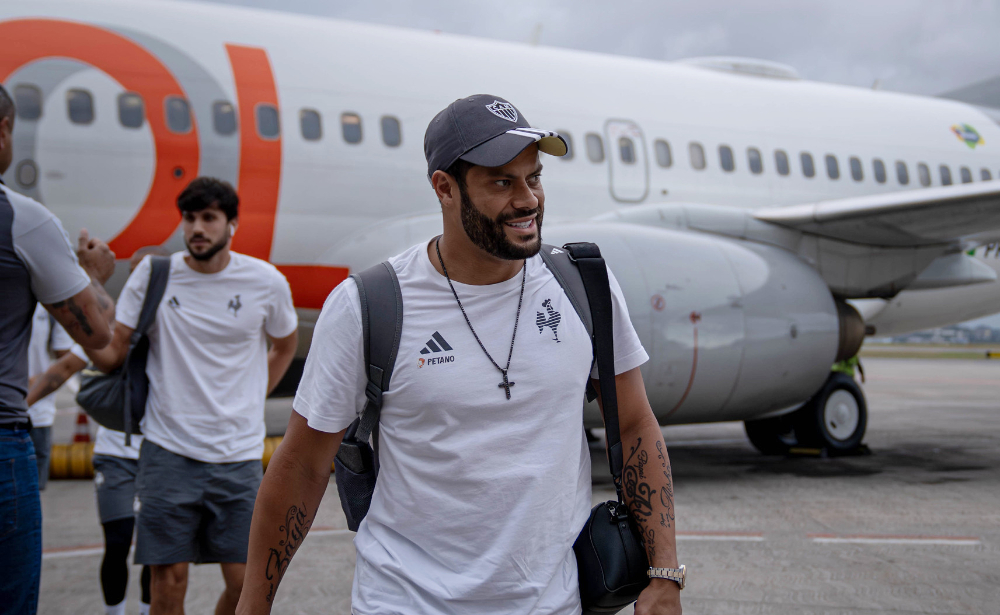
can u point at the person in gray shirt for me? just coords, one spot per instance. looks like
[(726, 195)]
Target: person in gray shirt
[(37, 265)]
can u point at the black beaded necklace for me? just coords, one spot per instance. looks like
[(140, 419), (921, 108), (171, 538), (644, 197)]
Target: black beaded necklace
[(506, 384)]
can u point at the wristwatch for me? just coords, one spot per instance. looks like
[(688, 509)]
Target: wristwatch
[(677, 575)]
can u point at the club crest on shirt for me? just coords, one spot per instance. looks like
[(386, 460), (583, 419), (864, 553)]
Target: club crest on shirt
[(549, 318), (235, 305)]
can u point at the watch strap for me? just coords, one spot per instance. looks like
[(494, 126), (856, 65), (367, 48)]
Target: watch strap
[(677, 575)]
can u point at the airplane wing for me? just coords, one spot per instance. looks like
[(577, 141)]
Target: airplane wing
[(967, 214)]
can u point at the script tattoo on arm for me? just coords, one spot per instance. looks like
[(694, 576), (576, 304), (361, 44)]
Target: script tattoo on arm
[(667, 490), (295, 528), (639, 494)]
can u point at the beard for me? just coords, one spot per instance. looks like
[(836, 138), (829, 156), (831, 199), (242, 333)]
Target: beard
[(489, 234), (209, 252)]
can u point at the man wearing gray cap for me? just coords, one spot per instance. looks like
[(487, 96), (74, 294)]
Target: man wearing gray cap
[(482, 487)]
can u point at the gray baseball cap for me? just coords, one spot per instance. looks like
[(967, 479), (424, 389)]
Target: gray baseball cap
[(485, 130)]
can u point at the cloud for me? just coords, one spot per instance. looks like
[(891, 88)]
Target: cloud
[(920, 46)]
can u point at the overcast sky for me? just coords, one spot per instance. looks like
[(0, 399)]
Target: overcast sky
[(919, 46)]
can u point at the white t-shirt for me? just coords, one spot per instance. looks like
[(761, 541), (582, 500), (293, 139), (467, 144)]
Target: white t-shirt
[(47, 336), (207, 363), (479, 498), (108, 441)]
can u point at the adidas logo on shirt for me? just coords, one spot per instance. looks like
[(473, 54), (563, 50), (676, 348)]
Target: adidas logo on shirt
[(436, 344)]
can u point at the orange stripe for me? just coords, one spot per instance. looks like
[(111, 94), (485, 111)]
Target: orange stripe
[(137, 70), (260, 159), (312, 283)]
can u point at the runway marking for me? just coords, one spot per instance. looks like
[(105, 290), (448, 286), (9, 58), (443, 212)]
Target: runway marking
[(734, 536), (683, 443), (964, 541), (64, 552)]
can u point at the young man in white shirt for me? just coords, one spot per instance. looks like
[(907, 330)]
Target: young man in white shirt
[(482, 489), (209, 372)]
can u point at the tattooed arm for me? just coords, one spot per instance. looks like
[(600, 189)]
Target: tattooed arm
[(649, 490), (89, 315), (59, 372), (287, 500)]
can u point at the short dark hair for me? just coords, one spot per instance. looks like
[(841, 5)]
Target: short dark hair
[(6, 106), (203, 192), (459, 169)]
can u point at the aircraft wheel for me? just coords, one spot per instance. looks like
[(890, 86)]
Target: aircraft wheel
[(771, 436), (836, 417)]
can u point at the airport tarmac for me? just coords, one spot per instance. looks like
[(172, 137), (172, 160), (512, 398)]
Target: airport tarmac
[(912, 528)]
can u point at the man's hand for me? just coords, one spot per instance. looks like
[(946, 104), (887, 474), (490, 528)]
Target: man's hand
[(95, 256), (661, 597)]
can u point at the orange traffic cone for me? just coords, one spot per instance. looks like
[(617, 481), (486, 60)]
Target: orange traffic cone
[(82, 432)]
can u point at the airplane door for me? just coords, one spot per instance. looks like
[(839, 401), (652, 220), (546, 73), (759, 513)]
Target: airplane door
[(629, 165)]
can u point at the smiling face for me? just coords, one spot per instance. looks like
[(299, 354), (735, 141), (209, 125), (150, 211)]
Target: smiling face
[(502, 207)]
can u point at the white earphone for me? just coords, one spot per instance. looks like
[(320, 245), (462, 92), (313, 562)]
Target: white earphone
[(232, 231)]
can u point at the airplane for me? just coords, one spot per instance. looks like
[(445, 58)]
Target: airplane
[(759, 224)]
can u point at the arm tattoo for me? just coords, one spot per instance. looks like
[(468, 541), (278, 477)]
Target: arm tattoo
[(667, 491), (295, 527), (639, 494), (78, 314), (47, 384), (103, 300)]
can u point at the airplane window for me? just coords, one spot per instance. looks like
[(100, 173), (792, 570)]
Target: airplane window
[(753, 158), (268, 125), (879, 167), (781, 161), (224, 117), (569, 144), (131, 111), (697, 154), (26, 173), (28, 102), (832, 167), (985, 175), (857, 172), (392, 133), (350, 127), (595, 147), (945, 175), (966, 175), (80, 106), (626, 149), (178, 114), (663, 157), (902, 173), (726, 158), (311, 125), (924, 174), (807, 164)]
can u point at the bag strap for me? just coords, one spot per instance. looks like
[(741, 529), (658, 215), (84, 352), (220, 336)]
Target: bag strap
[(382, 325), (159, 275), (593, 273)]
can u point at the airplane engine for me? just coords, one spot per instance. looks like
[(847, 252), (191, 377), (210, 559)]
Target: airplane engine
[(734, 329)]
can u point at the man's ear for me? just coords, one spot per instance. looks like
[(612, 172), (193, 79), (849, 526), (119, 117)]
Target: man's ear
[(446, 188)]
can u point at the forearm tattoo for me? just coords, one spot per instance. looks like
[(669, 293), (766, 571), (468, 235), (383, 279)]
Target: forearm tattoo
[(47, 384), (78, 313), (649, 493), (295, 528)]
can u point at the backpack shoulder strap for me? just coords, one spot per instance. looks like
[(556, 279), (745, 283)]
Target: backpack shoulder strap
[(159, 274), (382, 325), (583, 267), (560, 263)]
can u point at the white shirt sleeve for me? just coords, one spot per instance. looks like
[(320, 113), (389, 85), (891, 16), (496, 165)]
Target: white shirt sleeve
[(129, 303), (281, 319), (59, 339), (629, 353), (331, 393)]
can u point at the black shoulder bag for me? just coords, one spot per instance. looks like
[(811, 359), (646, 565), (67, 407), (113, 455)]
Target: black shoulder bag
[(356, 464), (118, 400), (610, 557)]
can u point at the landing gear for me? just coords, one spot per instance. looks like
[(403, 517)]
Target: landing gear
[(835, 418), (834, 421)]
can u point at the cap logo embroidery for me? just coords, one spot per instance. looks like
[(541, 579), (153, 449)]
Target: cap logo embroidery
[(503, 110)]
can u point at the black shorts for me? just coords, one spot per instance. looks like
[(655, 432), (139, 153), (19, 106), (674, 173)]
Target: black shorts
[(192, 511), (114, 481)]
